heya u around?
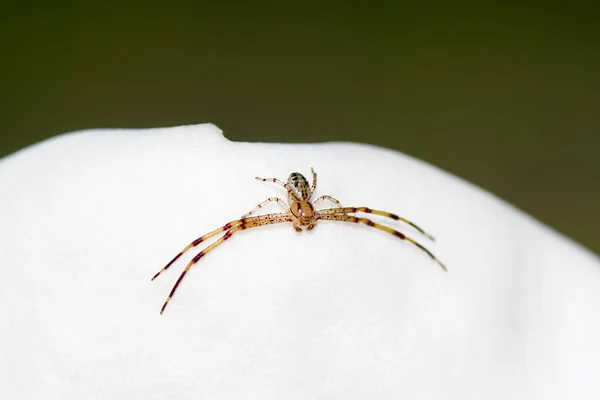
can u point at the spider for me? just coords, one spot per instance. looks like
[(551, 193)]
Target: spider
[(301, 212)]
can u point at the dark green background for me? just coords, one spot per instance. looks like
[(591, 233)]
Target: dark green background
[(506, 96)]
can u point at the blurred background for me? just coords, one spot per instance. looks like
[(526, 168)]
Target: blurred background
[(506, 97)]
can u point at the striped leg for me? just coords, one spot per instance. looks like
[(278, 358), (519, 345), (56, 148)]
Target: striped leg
[(277, 181), (350, 210), (245, 223), (196, 243), (326, 197), (267, 201), (314, 181), (348, 218), (196, 259)]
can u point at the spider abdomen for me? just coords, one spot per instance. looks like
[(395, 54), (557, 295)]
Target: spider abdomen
[(297, 181)]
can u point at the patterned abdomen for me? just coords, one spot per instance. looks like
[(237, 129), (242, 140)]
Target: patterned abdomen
[(299, 183)]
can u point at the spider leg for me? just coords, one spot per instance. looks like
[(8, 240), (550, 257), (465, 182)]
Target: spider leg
[(349, 218), (244, 223), (196, 259), (351, 210), (196, 243), (314, 181), (267, 201), (277, 181), (326, 197)]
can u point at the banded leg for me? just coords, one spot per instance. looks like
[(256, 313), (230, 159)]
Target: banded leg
[(267, 201), (196, 243), (314, 181), (326, 197), (349, 218), (245, 223), (277, 181), (350, 210)]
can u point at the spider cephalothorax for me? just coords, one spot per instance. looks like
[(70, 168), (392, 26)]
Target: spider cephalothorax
[(300, 212)]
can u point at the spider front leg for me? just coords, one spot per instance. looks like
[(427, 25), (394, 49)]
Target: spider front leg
[(281, 203), (352, 210), (196, 243), (356, 220), (196, 259), (326, 197), (236, 226)]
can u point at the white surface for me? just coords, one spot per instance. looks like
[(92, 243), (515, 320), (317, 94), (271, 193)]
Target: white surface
[(343, 311)]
